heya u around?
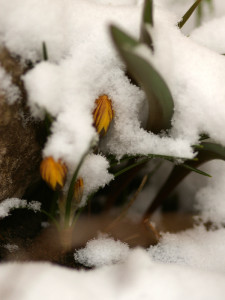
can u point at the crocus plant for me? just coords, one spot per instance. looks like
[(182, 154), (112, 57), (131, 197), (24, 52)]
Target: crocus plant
[(140, 70)]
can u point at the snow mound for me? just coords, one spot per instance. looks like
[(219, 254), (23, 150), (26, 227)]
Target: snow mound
[(137, 278), (102, 251)]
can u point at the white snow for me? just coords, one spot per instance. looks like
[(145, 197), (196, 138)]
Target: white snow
[(210, 35), (8, 89), (102, 251), (94, 173), (137, 278), (195, 77), (13, 203), (210, 198), (11, 247), (196, 248)]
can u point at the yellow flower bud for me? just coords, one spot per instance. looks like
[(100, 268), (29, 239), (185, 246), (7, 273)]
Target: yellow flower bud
[(103, 114), (53, 173), (78, 190)]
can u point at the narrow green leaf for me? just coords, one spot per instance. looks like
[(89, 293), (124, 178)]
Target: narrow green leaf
[(210, 4), (158, 94), (207, 152), (212, 151), (188, 14), (195, 170), (48, 120), (199, 15), (44, 51), (140, 162), (114, 162), (148, 12), (147, 19), (70, 193), (197, 147), (122, 39), (204, 137), (52, 218)]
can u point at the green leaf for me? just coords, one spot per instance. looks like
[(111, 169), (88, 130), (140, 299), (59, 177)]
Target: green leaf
[(70, 193), (200, 11), (195, 170), (148, 12), (203, 137), (147, 19), (158, 94), (188, 14), (114, 162), (211, 151), (207, 152), (44, 51), (140, 162), (122, 39), (210, 4), (48, 120)]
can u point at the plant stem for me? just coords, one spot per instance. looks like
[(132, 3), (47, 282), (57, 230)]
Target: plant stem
[(70, 194)]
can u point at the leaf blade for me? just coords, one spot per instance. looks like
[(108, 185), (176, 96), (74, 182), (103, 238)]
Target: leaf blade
[(160, 100), (188, 14), (147, 20)]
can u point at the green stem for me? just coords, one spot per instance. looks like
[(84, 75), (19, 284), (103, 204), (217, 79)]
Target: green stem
[(77, 216), (52, 218), (71, 189), (54, 203)]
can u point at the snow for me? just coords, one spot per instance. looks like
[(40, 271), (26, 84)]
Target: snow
[(209, 35), (195, 76), (94, 172), (102, 251), (11, 247), (210, 10), (210, 198), (137, 278), (8, 89), (196, 248), (13, 203)]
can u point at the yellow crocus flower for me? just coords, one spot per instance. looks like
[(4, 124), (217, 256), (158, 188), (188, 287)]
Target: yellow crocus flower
[(53, 173), (103, 114)]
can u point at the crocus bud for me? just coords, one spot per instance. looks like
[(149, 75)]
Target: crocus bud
[(78, 190), (103, 114), (53, 173)]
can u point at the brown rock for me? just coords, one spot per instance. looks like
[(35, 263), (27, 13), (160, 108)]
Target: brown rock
[(20, 142)]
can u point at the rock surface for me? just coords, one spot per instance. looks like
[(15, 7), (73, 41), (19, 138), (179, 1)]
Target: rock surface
[(20, 137)]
